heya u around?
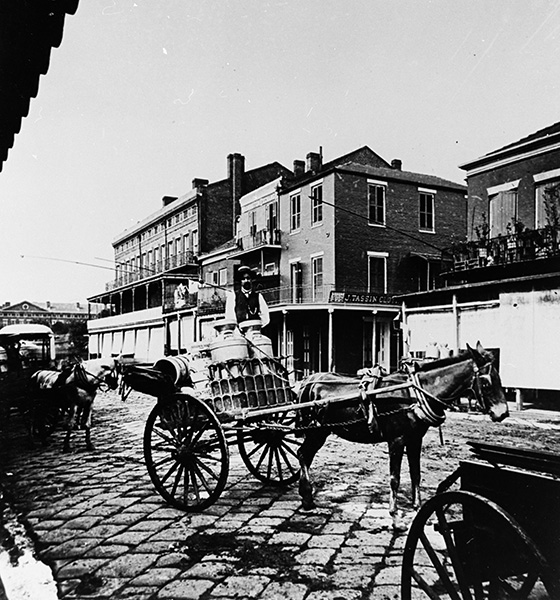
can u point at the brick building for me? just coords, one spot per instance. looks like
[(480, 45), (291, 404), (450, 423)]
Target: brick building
[(47, 313), (156, 265), (334, 245), (504, 284)]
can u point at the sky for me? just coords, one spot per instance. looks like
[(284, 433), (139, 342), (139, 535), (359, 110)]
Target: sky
[(142, 97)]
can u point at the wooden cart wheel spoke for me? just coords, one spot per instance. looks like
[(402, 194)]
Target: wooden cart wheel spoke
[(476, 550), (287, 462), (177, 479), (187, 460), (269, 448), (441, 571), (197, 471), (453, 555), (201, 466)]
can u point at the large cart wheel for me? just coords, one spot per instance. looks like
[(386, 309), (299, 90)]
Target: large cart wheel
[(268, 446), (462, 546), (186, 452)]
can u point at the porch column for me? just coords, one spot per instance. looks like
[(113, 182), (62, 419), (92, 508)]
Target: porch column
[(374, 338), (284, 335), (404, 329), (331, 342), (456, 321)]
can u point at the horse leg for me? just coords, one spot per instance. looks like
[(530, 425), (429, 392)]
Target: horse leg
[(413, 453), (312, 443), (396, 452), (89, 444)]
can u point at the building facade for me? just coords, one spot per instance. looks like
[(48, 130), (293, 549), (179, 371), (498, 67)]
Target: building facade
[(504, 285), (153, 300), (332, 248), (47, 313)]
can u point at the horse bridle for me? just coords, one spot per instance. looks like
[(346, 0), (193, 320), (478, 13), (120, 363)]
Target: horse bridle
[(482, 382), (82, 372)]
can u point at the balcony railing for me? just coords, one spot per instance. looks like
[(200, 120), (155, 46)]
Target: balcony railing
[(526, 245), (161, 266), (262, 237)]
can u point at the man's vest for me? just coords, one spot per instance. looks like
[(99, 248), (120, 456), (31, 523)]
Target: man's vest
[(247, 307)]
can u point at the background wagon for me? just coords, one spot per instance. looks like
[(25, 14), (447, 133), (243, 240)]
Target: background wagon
[(498, 536), (24, 349)]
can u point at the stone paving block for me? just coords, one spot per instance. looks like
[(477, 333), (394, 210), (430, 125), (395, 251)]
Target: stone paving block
[(291, 538), (70, 549), (108, 588), (389, 576), (326, 541), (129, 565), (77, 568), (131, 538), (343, 594), (106, 551), (353, 576), (285, 590), (103, 531), (153, 525), (185, 589), (178, 559), (238, 586), (385, 592), (56, 536), (123, 519), (317, 556), (269, 522), (83, 522), (210, 570), (156, 576)]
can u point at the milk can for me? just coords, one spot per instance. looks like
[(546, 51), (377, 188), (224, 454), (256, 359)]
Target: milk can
[(228, 344), (260, 346)]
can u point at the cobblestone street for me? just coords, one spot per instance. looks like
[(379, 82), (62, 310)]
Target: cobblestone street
[(97, 521)]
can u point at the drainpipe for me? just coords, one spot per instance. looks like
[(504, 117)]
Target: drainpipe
[(331, 343), (456, 321)]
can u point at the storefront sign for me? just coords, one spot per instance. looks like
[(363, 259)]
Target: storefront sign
[(361, 298)]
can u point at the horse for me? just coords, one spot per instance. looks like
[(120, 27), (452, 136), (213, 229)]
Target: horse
[(72, 392), (400, 417)]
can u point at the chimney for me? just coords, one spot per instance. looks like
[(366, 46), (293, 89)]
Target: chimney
[(396, 163), (314, 162), (199, 183), (299, 168), (48, 304), (236, 171), (166, 200)]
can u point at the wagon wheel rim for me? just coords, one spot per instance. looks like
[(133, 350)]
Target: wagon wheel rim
[(455, 549), (186, 453), (269, 447)]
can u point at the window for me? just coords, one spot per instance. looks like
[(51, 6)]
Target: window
[(296, 282), (295, 212), (253, 223), (185, 243), (317, 270), (376, 204), (427, 211), (195, 241), (272, 216), (502, 207), (317, 204), (377, 274), (223, 276)]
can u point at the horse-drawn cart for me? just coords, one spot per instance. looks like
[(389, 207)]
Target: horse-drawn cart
[(206, 404), (498, 536), (24, 349)]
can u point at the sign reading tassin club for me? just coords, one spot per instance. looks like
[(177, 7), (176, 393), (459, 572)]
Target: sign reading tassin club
[(361, 298)]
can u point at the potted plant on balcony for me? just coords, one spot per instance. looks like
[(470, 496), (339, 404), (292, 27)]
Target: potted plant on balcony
[(482, 232), (550, 232)]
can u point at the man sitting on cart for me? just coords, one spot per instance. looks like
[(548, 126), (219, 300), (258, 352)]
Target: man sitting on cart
[(246, 304)]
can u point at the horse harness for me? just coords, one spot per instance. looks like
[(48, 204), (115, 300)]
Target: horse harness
[(422, 408)]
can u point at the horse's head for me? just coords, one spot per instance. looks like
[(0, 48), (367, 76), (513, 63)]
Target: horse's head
[(487, 384), (104, 370)]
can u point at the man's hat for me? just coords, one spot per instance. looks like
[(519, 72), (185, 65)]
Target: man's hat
[(244, 270)]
